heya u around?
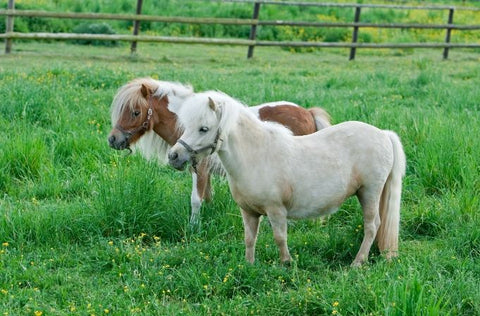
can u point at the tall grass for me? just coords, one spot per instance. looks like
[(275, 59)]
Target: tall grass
[(87, 230)]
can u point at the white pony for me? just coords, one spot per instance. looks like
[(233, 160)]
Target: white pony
[(273, 173)]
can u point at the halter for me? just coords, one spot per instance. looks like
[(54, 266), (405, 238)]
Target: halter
[(194, 152), (143, 127)]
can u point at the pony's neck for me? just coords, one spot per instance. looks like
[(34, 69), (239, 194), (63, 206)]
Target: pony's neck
[(243, 146), (165, 122)]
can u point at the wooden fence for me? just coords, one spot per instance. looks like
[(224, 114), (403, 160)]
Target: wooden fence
[(356, 25)]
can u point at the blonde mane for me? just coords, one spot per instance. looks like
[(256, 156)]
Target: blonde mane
[(150, 145)]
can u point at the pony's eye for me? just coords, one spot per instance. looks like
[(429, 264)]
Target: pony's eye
[(203, 129), (136, 113)]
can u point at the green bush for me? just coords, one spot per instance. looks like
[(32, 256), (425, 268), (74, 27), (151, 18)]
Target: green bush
[(94, 28)]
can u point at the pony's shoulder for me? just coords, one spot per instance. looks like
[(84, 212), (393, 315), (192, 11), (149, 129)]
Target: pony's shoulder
[(277, 128)]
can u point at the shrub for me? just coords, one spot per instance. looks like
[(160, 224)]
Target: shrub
[(94, 28)]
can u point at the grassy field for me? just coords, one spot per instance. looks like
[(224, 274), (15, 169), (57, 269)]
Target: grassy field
[(85, 230)]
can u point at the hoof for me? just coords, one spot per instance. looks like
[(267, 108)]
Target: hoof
[(287, 264), (356, 264)]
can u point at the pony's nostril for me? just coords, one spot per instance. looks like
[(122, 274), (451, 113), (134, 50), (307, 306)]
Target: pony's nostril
[(111, 139), (172, 156)]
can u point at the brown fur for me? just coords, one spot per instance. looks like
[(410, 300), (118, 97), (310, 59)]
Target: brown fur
[(297, 119), (165, 122), (203, 181)]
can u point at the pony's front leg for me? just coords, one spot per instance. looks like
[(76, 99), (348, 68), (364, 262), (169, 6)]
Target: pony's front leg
[(201, 190), (250, 223), (278, 220), (195, 202)]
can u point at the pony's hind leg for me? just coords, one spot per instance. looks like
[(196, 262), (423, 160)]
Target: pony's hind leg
[(250, 224), (278, 220), (371, 222)]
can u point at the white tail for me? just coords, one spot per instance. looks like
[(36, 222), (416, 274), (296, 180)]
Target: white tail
[(387, 234), (321, 117)]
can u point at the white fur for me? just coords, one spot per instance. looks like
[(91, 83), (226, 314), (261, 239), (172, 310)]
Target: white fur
[(195, 201), (273, 173)]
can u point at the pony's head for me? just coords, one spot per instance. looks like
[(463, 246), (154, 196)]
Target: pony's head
[(133, 108), (205, 118)]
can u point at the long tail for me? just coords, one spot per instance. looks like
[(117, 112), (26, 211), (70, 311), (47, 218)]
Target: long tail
[(321, 117), (387, 235)]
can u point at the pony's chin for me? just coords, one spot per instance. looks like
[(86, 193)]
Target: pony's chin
[(117, 146), (179, 165)]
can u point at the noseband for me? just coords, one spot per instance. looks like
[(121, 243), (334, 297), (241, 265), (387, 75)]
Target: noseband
[(143, 127), (194, 152)]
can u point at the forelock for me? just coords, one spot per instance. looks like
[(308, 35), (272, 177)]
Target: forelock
[(128, 96)]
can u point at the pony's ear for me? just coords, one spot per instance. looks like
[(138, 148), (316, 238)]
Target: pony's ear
[(146, 91), (212, 104)]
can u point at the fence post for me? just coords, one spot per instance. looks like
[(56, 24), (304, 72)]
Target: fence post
[(353, 50), (253, 29), (449, 32), (9, 27), (136, 27)]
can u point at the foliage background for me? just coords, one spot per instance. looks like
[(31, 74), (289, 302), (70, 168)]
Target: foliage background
[(219, 9)]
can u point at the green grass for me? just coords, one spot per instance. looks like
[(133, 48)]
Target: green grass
[(87, 230)]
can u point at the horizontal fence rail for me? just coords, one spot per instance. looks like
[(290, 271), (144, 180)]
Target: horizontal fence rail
[(226, 41), (254, 23), (356, 5)]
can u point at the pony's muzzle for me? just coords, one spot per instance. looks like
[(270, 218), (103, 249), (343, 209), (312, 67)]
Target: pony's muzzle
[(118, 142), (177, 159), (172, 156)]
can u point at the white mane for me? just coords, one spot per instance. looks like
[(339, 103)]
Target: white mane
[(176, 92), (196, 109), (150, 145)]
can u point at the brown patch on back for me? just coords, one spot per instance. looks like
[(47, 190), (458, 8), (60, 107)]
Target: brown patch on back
[(299, 120)]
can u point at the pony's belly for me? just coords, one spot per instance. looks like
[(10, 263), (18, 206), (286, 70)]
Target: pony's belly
[(248, 204), (310, 213)]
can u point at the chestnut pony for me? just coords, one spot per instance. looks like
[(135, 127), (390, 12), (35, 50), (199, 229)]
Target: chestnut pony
[(273, 173), (141, 119)]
